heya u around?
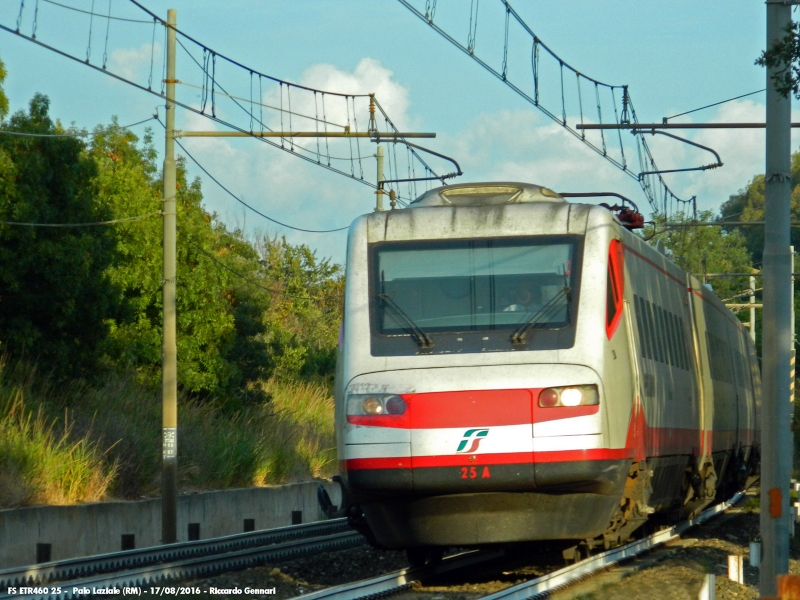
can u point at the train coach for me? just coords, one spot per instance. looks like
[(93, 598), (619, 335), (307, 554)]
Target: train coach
[(515, 367)]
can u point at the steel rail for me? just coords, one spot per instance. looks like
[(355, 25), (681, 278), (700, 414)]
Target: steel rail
[(192, 568), (391, 583), (384, 585), (571, 574), (45, 573)]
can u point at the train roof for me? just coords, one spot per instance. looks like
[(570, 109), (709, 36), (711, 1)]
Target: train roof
[(486, 194)]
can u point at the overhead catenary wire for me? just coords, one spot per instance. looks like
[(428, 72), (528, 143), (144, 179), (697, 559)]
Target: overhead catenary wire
[(557, 110), (259, 104), (245, 204), (94, 14), (258, 285), (688, 112), (70, 134), (210, 75), (93, 224)]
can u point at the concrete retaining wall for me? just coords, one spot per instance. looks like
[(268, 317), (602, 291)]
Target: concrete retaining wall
[(86, 529)]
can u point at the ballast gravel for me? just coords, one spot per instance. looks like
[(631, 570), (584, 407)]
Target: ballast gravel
[(675, 571)]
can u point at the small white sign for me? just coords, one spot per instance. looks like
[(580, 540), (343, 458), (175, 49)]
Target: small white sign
[(170, 443)]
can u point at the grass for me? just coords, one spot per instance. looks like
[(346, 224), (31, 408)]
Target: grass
[(82, 443), (41, 461)]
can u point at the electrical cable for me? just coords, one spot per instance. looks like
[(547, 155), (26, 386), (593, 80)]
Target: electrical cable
[(94, 14), (95, 224), (665, 119), (242, 202), (235, 63), (539, 51), (210, 70), (260, 104), (67, 135), (258, 285)]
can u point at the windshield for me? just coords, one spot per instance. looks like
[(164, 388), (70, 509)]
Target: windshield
[(470, 285)]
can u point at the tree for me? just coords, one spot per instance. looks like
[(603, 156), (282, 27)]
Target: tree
[(127, 182), (303, 320), (3, 98), (784, 55), (704, 250), (54, 294), (78, 298), (748, 205)]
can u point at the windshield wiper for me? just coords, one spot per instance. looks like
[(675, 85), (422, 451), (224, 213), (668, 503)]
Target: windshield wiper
[(423, 339), (521, 334)]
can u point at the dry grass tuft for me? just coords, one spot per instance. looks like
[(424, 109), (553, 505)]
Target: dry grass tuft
[(40, 464), (108, 441)]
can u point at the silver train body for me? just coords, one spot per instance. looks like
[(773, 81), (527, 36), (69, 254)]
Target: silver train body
[(516, 367)]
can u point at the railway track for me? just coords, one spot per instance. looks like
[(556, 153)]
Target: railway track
[(398, 581), (162, 565)]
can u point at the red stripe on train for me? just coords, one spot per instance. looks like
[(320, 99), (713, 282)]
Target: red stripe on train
[(489, 408), (506, 458)]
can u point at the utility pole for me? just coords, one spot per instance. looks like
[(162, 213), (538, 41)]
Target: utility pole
[(169, 374), (776, 333)]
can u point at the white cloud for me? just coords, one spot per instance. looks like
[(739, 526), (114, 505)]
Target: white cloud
[(522, 145), (282, 185), (525, 145), (134, 63)]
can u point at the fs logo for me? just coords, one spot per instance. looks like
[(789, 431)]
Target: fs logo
[(473, 435)]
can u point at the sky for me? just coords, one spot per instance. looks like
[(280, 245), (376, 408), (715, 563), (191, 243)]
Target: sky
[(674, 57)]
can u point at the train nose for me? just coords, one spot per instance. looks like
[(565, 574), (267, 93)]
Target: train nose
[(471, 440), (459, 438)]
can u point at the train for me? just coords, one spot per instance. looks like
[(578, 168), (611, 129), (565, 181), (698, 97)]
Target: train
[(517, 367)]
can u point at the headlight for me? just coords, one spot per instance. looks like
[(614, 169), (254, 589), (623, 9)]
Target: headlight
[(372, 406), (571, 397), (375, 404), (575, 395)]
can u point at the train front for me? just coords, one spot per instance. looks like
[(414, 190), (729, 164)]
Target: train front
[(469, 398)]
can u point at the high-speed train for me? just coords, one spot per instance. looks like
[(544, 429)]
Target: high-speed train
[(516, 367)]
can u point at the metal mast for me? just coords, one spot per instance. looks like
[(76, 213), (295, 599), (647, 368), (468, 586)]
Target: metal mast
[(776, 330), (169, 472)]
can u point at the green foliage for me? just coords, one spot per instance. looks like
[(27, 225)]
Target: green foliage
[(703, 250), (39, 465), (784, 56), (244, 313), (3, 98), (54, 296), (109, 442), (75, 298), (303, 321), (748, 205)]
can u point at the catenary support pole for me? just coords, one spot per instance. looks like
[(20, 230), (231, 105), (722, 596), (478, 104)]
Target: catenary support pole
[(776, 333), (792, 360), (169, 468)]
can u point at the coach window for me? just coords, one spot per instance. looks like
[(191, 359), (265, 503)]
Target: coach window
[(614, 287), (675, 344), (662, 334), (713, 357), (684, 345), (654, 336), (637, 303), (668, 331), (673, 335), (670, 341)]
